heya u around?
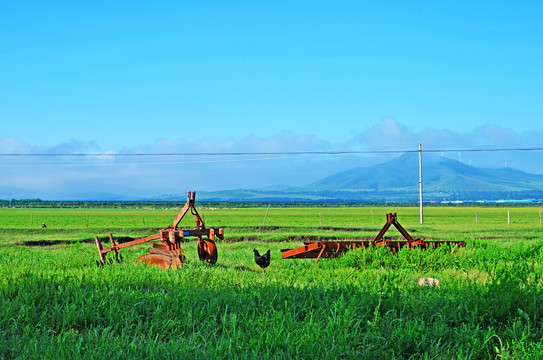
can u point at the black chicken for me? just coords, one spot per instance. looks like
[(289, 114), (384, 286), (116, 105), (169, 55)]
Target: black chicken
[(262, 260)]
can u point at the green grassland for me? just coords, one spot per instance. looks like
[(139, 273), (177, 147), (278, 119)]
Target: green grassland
[(55, 302)]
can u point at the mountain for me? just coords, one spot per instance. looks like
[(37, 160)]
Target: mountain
[(397, 180), (439, 174)]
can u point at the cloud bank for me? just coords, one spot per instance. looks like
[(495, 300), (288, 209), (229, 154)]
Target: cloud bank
[(82, 177)]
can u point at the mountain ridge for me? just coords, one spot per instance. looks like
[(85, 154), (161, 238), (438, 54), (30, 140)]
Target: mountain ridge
[(439, 173), (396, 180)]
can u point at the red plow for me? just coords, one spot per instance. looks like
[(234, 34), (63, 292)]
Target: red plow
[(318, 249), (168, 253)]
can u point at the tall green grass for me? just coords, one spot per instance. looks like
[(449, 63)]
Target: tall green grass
[(55, 303)]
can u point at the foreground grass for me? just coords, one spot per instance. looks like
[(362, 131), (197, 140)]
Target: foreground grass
[(54, 303)]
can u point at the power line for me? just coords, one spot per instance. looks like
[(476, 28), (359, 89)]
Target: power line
[(480, 150), (280, 153), (206, 153), (144, 163)]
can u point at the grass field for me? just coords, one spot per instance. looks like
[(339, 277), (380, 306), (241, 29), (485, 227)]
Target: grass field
[(55, 302)]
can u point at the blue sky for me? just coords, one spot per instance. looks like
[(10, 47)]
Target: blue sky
[(264, 76)]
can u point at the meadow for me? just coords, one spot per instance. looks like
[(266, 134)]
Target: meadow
[(56, 303)]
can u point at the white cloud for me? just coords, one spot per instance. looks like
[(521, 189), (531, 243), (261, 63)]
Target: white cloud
[(10, 145), (50, 177)]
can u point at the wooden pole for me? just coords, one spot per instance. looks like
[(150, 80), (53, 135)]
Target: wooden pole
[(87, 221), (31, 220), (508, 218), (420, 184), (476, 220), (320, 218), (372, 218), (143, 220)]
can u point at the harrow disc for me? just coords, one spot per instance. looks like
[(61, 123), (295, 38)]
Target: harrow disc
[(161, 256), (207, 251)]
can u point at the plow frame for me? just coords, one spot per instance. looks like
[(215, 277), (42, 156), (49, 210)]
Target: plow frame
[(318, 249), (172, 237)]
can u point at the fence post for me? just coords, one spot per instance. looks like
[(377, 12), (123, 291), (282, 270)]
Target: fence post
[(264, 223), (508, 217), (372, 218), (476, 220)]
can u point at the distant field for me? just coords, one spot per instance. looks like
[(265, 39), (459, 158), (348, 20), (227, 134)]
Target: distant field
[(55, 303)]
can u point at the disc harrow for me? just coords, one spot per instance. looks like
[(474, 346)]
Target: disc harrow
[(167, 253), (327, 249)]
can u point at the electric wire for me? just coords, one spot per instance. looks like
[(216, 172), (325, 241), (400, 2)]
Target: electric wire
[(346, 152), (236, 156), (145, 163)]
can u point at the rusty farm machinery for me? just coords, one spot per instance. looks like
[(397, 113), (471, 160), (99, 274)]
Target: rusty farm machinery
[(167, 252), (328, 249)]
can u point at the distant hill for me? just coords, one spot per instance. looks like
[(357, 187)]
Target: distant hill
[(439, 174), (397, 180)]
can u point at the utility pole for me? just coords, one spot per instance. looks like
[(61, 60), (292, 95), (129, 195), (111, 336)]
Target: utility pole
[(420, 183)]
